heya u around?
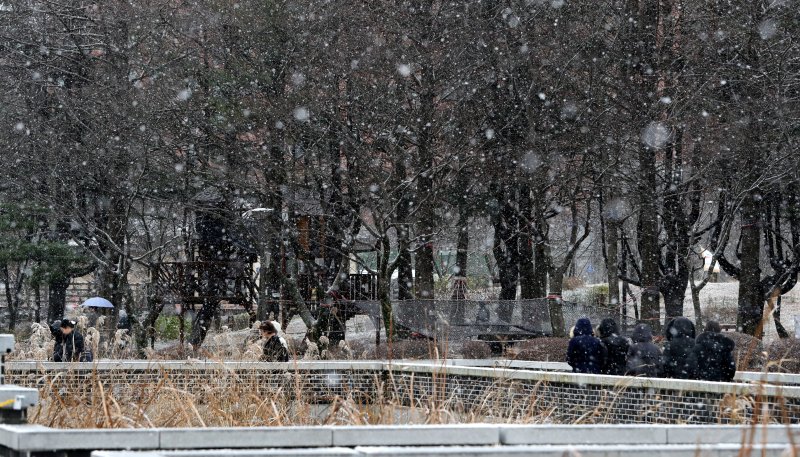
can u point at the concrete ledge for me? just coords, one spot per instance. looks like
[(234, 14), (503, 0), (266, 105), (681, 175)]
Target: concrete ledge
[(582, 434), (417, 435), (725, 450), (9, 434), (328, 452), (404, 440), (263, 437), (731, 434), (37, 438), (27, 437)]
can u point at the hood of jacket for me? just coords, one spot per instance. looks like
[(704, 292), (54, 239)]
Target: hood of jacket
[(716, 341), (680, 327), (608, 327), (583, 327), (642, 333)]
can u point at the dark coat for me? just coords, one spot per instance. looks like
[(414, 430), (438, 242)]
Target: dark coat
[(275, 350), (68, 348), (585, 354), (679, 360), (644, 357), (616, 348), (714, 355)]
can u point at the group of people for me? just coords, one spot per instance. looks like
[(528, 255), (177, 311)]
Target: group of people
[(707, 357), (69, 343)]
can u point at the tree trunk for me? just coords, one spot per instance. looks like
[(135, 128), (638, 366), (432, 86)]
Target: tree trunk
[(540, 260), (37, 298), (384, 290), (462, 248), (506, 245), (202, 322), (648, 239), (57, 298), (424, 260), (262, 303), (612, 261), (751, 300), (698, 313), (10, 302), (674, 296), (555, 303), (527, 275)]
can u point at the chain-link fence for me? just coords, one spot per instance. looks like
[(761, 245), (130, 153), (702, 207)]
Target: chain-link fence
[(573, 311), (502, 319)]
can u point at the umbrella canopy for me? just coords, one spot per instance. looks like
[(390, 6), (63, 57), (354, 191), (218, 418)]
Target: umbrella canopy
[(97, 302)]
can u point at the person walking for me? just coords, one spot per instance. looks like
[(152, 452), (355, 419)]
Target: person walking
[(69, 342), (275, 349), (585, 354), (714, 354), (679, 360), (616, 348), (644, 357)]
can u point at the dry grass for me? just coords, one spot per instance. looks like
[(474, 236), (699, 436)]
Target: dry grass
[(749, 351), (784, 356), (227, 400)]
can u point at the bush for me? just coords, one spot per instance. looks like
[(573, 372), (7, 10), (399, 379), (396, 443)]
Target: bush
[(169, 327), (473, 349), (550, 349), (784, 356), (747, 348), (240, 321), (406, 349)]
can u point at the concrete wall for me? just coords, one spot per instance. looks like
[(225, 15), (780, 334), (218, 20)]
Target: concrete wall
[(477, 439)]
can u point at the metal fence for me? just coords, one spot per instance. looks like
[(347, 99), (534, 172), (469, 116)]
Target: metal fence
[(573, 311), (504, 319), (488, 393)]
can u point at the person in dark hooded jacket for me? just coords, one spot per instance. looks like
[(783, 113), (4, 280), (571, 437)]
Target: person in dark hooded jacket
[(275, 349), (69, 342), (714, 354), (679, 360), (585, 354), (616, 348), (644, 357)]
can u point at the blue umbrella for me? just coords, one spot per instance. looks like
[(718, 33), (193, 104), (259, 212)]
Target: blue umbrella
[(97, 302)]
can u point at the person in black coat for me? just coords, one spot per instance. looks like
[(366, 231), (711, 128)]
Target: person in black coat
[(69, 342), (714, 354), (616, 348), (644, 357), (275, 349), (585, 354), (679, 360)]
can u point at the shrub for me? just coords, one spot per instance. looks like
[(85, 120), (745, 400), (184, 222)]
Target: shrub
[(241, 321), (784, 356), (406, 349), (748, 349), (475, 350), (169, 327), (550, 349)]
